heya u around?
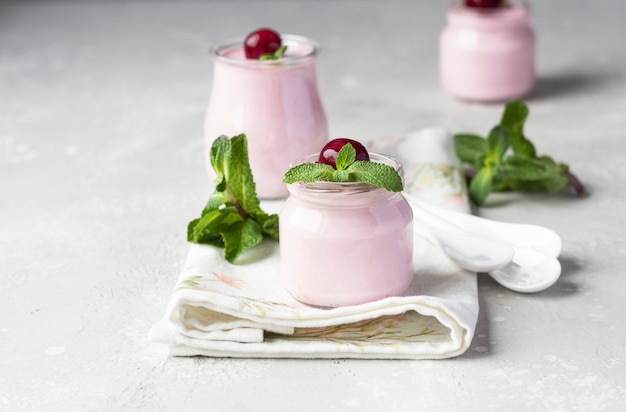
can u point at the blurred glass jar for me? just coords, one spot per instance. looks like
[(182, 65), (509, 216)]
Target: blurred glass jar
[(487, 54), (276, 103)]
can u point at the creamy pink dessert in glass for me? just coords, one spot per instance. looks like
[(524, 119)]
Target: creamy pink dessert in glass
[(345, 243), (487, 54), (276, 103)]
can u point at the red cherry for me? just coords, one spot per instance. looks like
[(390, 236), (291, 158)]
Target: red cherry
[(483, 4), (328, 154), (262, 41)]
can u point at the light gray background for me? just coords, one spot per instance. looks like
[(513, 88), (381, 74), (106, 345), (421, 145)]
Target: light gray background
[(101, 112)]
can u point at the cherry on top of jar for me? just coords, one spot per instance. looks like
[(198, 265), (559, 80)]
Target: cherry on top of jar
[(483, 4), (260, 42), (507, 15), (299, 50), (328, 154)]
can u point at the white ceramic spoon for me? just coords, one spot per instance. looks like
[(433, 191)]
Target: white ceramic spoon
[(472, 252), (469, 250), (527, 236), (529, 271), (534, 266)]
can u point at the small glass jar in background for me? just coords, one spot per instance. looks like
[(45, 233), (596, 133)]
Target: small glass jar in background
[(487, 55), (276, 103), (345, 244)]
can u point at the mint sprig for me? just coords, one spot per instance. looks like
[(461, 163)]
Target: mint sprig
[(348, 170), (274, 56), (507, 160), (232, 218)]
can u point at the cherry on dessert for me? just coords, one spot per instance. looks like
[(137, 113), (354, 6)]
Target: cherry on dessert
[(328, 154), (262, 41), (483, 4)]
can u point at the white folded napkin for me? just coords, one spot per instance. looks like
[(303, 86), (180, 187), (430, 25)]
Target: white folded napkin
[(432, 170), (242, 310)]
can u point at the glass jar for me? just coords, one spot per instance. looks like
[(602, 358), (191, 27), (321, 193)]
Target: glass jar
[(487, 54), (345, 243), (276, 103)]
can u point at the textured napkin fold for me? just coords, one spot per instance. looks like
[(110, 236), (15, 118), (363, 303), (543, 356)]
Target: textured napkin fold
[(226, 310)]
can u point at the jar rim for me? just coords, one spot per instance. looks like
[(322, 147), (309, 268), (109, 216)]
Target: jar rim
[(347, 188), (218, 53)]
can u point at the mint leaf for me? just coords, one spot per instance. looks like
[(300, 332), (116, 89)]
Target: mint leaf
[(515, 113), (216, 199), (376, 174), (482, 184), (239, 176), (345, 157), (557, 177), (240, 236), (495, 146), (274, 56), (341, 176), (555, 182), (523, 170), (513, 119), (309, 172), (522, 146), (471, 149), (269, 225), (535, 174), (498, 141), (206, 229), (232, 217), (348, 170), (195, 235), (520, 167), (219, 154)]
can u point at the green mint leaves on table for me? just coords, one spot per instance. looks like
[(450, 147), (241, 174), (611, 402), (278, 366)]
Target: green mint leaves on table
[(348, 170), (507, 160), (274, 56), (232, 217)]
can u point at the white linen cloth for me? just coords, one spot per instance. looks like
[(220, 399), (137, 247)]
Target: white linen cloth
[(432, 170), (225, 310)]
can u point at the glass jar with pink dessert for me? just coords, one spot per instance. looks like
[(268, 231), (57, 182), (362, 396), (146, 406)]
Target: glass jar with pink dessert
[(274, 101), (487, 51), (345, 242)]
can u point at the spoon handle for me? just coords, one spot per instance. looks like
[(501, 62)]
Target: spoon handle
[(470, 250), (526, 236)]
